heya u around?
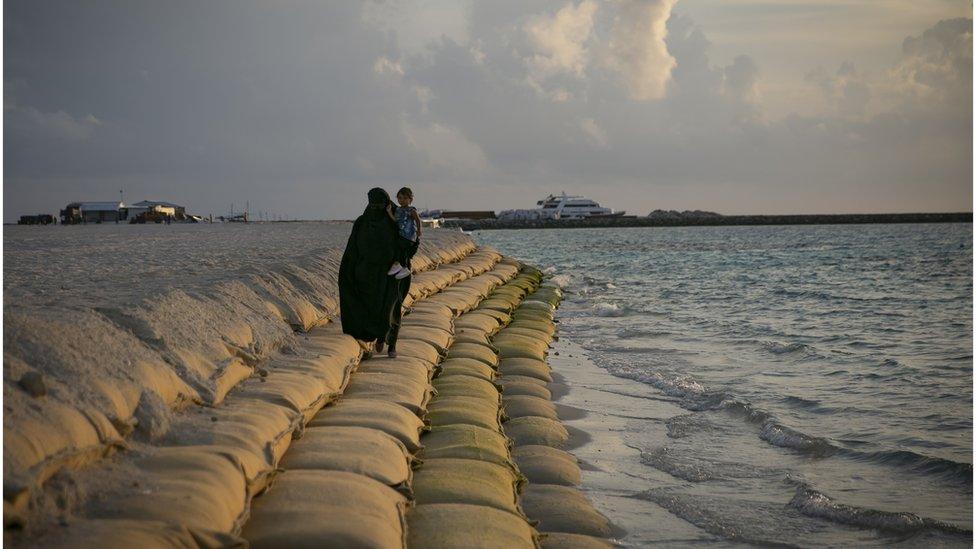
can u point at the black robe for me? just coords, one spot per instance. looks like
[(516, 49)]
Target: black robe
[(367, 295)]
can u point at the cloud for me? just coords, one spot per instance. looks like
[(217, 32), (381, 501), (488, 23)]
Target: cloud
[(559, 41), (594, 133), (637, 47), (938, 64)]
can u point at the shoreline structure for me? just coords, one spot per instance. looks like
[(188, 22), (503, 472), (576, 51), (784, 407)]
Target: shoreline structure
[(708, 221), (255, 420)]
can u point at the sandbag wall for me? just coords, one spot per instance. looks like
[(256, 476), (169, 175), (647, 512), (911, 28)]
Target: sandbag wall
[(83, 382), (467, 484), (564, 517), (350, 479), (193, 486)]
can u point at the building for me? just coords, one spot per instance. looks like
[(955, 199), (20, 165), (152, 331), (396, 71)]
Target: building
[(156, 208), (446, 214), (92, 212)]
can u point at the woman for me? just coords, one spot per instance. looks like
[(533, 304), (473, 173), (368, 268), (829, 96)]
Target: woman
[(369, 299)]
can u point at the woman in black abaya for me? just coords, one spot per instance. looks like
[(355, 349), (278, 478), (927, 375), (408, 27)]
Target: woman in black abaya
[(370, 301)]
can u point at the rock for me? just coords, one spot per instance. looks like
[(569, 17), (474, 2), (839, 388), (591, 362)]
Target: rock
[(33, 383)]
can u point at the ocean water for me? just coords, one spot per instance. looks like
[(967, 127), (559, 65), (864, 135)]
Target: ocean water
[(824, 374)]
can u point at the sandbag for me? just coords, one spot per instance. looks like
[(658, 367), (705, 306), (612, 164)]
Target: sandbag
[(298, 392), (468, 335), (546, 327), (437, 337), (192, 486), (417, 317), (451, 480), (417, 370), (564, 509), (500, 317), (547, 465), (332, 370), (561, 540), (461, 526), (538, 306), (529, 367), (126, 534), (477, 320), (465, 410), (401, 390), (467, 367), (467, 386), (522, 405), (427, 307), (536, 430), (475, 351), (523, 385), (467, 442), (498, 303), (532, 313), (418, 349), (517, 346), (392, 419), (359, 450), (529, 332), (327, 509)]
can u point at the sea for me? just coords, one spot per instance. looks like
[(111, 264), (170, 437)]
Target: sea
[(821, 377)]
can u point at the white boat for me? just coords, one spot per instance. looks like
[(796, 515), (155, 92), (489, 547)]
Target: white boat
[(564, 206)]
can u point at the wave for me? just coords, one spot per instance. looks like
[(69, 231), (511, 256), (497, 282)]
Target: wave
[(785, 437), (813, 503), (629, 333), (609, 310)]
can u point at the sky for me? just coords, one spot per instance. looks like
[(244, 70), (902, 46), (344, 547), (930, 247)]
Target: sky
[(298, 108)]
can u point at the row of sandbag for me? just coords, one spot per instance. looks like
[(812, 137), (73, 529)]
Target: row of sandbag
[(349, 480), (467, 486), (77, 385), (197, 482), (564, 516)]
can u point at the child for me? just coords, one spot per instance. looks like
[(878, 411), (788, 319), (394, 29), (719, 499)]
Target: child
[(408, 227)]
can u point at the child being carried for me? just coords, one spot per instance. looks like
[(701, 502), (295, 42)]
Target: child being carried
[(408, 230)]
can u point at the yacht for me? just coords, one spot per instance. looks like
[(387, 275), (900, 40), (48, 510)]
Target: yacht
[(563, 206)]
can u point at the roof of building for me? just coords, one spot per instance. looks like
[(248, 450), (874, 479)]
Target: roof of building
[(96, 206), (151, 203)]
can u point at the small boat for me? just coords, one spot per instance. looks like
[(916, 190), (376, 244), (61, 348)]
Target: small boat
[(564, 206)]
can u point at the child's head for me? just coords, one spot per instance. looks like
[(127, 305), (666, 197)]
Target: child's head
[(404, 196)]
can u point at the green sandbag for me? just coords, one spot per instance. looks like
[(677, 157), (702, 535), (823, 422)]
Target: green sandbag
[(560, 540), (532, 313), (467, 386), (541, 325), (473, 350), (461, 526), (502, 318), (359, 450), (536, 430), (466, 442), (564, 509), (327, 509), (477, 320), (498, 303), (547, 465), (454, 410), (524, 385), (522, 405), (537, 306), (467, 367), (451, 480), (528, 367), (392, 419)]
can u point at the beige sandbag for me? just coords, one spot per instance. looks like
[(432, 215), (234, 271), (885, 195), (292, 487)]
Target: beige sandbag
[(298, 392), (467, 386), (464, 410), (461, 526), (468, 335), (359, 450), (192, 486), (332, 370), (523, 405), (427, 307), (533, 313), (329, 340), (418, 349), (518, 346), (536, 430), (451, 480), (418, 370), (564, 509), (523, 385), (457, 300), (560, 540), (126, 534), (440, 339), (547, 465), (477, 320), (327, 509), (539, 325), (529, 332), (398, 389), (529, 367), (430, 320), (502, 318), (475, 351), (392, 419), (467, 367), (466, 442)]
